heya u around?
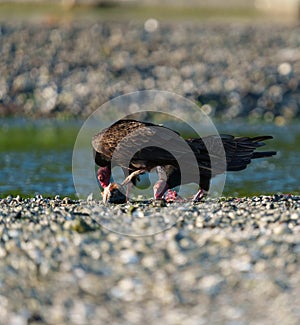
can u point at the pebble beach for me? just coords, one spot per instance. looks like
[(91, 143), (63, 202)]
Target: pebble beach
[(73, 67), (222, 261)]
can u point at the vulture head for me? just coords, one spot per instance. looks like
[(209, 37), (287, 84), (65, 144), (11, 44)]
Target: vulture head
[(103, 175), (112, 192)]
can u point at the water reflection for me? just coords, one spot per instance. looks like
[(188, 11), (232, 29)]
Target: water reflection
[(47, 172), (47, 169)]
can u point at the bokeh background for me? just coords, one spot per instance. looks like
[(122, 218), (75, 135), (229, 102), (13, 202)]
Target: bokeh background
[(60, 60)]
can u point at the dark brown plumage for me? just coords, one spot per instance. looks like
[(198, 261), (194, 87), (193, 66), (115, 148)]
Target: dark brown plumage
[(133, 134), (239, 151), (139, 147)]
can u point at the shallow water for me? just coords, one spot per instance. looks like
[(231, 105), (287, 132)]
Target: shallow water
[(36, 157)]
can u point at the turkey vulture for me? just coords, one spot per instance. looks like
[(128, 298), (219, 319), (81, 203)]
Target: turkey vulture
[(122, 141), (139, 147)]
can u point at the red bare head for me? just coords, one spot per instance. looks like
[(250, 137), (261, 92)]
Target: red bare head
[(159, 189), (103, 175)]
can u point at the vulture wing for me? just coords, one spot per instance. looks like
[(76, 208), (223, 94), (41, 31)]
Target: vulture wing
[(146, 145), (238, 151)]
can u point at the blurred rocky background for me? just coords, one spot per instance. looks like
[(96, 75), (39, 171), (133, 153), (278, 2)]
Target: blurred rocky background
[(66, 58)]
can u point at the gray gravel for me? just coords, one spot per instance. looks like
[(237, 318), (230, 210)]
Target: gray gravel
[(227, 261), (70, 69)]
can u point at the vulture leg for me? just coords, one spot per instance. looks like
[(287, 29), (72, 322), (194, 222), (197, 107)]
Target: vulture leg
[(161, 186), (159, 189), (203, 188), (128, 190), (129, 178), (199, 195)]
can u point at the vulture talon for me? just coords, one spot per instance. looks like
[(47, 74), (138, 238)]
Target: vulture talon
[(171, 196), (199, 195)]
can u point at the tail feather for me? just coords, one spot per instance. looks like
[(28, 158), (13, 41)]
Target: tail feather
[(240, 151), (263, 154)]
